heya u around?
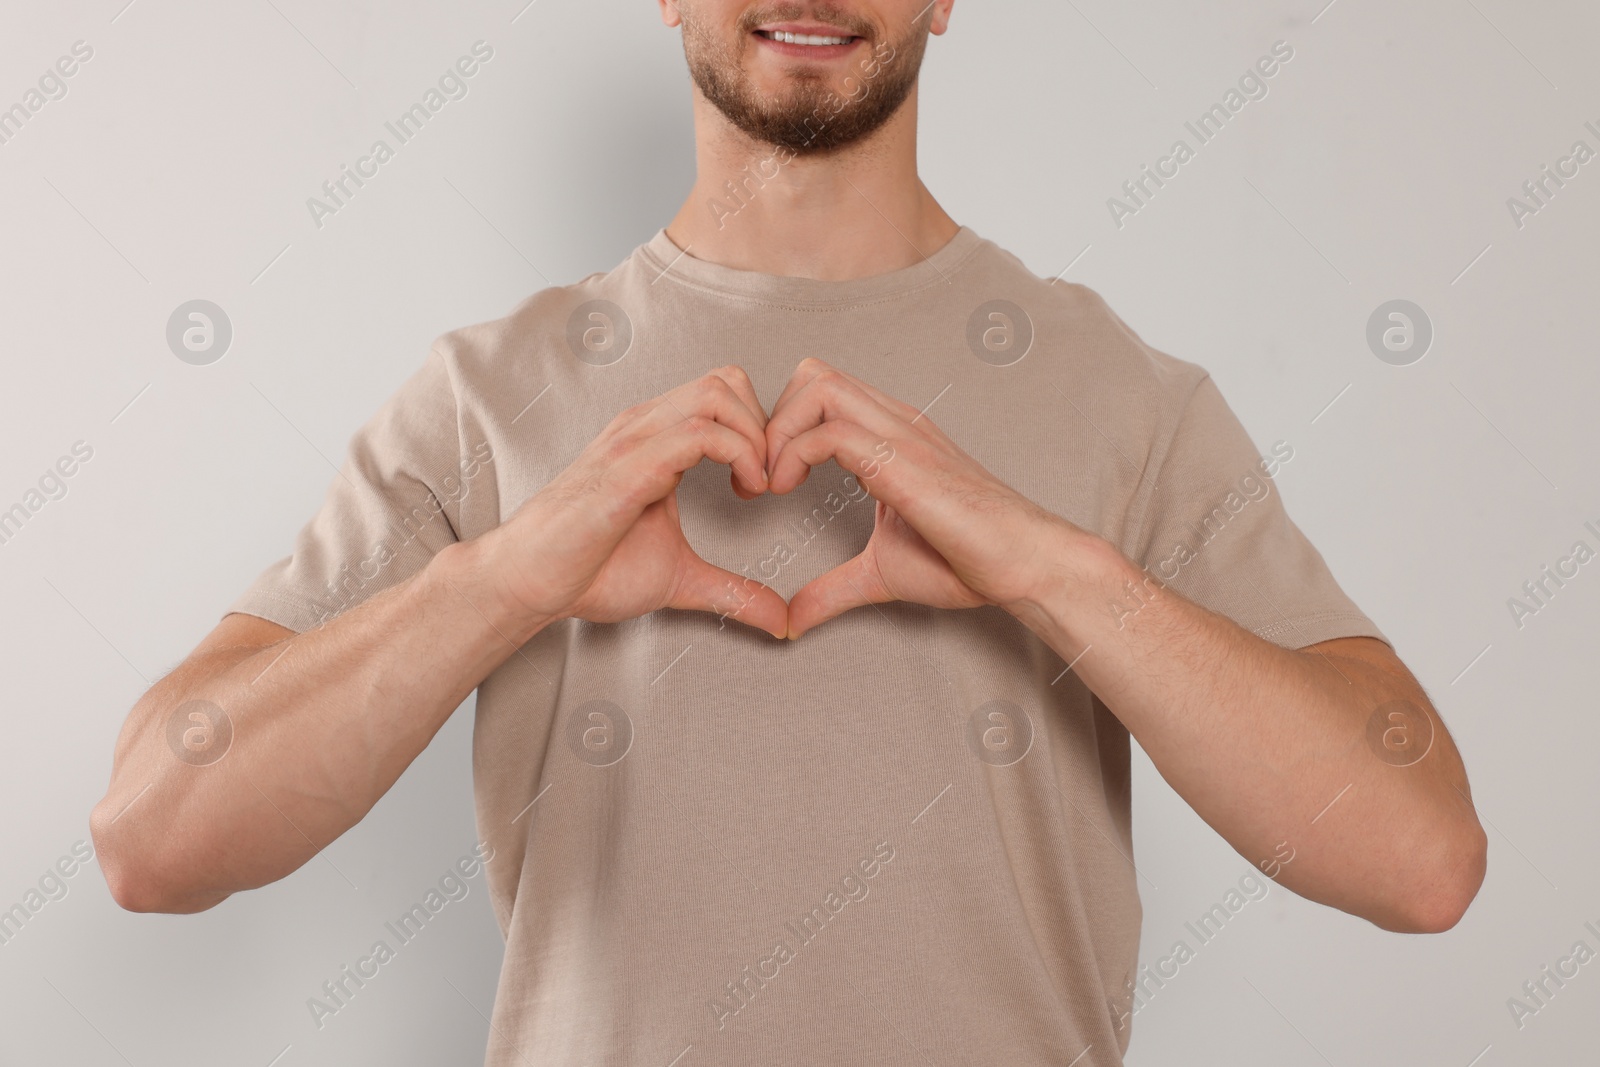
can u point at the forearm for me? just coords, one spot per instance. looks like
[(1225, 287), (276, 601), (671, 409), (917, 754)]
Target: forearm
[(1269, 746), (324, 722)]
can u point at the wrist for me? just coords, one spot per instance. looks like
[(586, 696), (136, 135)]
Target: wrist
[(1077, 573), (474, 571)]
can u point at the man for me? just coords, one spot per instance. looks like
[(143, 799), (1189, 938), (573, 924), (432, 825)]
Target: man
[(1009, 535)]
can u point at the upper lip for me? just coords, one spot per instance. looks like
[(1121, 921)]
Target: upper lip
[(816, 29)]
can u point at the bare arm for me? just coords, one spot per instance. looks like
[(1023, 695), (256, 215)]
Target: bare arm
[(324, 722), (1276, 749), (1281, 752)]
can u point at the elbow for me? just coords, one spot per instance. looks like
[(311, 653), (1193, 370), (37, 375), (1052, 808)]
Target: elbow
[(140, 890), (126, 873), (128, 884), (130, 893), (1449, 884), (135, 876)]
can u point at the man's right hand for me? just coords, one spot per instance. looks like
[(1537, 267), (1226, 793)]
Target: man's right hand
[(602, 541), (326, 720)]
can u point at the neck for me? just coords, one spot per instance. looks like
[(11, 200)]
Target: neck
[(852, 213)]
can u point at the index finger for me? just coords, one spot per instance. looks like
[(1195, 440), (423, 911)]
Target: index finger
[(740, 382), (811, 366), (828, 394), (724, 396)]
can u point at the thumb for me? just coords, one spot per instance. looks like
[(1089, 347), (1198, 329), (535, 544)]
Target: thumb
[(702, 587), (854, 583)]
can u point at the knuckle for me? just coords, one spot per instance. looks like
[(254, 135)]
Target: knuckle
[(615, 450), (644, 408), (572, 486)]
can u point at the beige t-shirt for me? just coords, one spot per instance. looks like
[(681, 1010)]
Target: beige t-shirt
[(904, 838)]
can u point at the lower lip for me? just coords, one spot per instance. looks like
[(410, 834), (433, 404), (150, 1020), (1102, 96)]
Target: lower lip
[(809, 51)]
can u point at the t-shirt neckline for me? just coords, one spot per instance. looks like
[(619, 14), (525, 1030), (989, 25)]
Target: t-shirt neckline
[(682, 266)]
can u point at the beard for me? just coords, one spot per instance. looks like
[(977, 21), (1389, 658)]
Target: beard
[(808, 117)]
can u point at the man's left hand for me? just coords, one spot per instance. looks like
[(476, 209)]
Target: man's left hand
[(946, 532)]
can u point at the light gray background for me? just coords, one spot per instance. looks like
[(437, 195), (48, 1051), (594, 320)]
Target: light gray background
[(1378, 167)]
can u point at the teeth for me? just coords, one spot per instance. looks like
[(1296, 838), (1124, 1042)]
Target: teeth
[(806, 38)]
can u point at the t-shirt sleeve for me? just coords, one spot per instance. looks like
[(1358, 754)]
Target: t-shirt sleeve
[(385, 515), (1214, 529)]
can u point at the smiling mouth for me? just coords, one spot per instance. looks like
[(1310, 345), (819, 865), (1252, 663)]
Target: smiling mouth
[(811, 40)]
